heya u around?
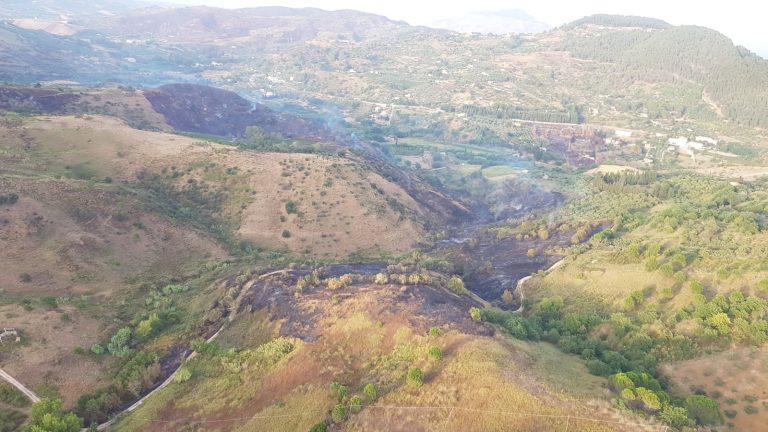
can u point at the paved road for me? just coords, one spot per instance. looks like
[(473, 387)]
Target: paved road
[(12, 381)]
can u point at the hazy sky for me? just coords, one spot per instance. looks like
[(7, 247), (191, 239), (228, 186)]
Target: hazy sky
[(744, 21)]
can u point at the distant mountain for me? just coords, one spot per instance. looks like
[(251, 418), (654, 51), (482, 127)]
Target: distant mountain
[(207, 24), (493, 22), (731, 78), (619, 21), (606, 67), (58, 10)]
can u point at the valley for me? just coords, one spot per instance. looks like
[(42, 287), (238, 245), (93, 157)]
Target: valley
[(307, 220)]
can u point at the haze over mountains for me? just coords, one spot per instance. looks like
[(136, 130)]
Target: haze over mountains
[(496, 22)]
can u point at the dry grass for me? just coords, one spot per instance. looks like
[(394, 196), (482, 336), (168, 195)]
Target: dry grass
[(738, 375), (481, 383)]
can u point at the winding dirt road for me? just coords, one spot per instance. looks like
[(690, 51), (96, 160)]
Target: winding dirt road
[(12, 381)]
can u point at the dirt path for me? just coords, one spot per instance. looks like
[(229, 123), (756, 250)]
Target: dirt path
[(522, 281), (12, 381), (190, 356)]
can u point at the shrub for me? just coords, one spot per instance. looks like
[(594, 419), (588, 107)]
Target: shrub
[(11, 396), (750, 409), (703, 409), (435, 352), (507, 297), (380, 278), (628, 394), (649, 399), (456, 285), (475, 313), (97, 349), (620, 381), (415, 377), (341, 391), (355, 404), (25, 277), (286, 234), (291, 207), (434, 331), (676, 417), (319, 427), (370, 391), (48, 415), (182, 375), (118, 345), (339, 413), (339, 282), (49, 301), (9, 198)]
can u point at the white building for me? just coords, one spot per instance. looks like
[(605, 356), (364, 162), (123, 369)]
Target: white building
[(706, 140), (681, 141), (622, 133)]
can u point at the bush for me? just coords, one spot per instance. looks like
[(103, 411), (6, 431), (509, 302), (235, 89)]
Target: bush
[(48, 416), (341, 391), (49, 302), (9, 199), (118, 345), (339, 413), (380, 279), (750, 409), (339, 282), (97, 349), (11, 396), (676, 417), (456, 285), (435, 352), (704, 410), (182, 375), (286, 234), (319, 427), (291, 207), (355, 404), (415, 377), (434, 331), (25, 277), (370, 391), (475, 313), (649, 399)]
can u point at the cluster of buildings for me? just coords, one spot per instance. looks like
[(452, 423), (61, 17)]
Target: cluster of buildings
[(682, 145)]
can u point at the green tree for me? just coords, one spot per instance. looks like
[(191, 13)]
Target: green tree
[(721, 322), (148, 326), (456, 285), (649, 399), (48, 416), (704, 410), (620, 381), (475, 313), (118, 345), (339, 413), (675, 416)]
